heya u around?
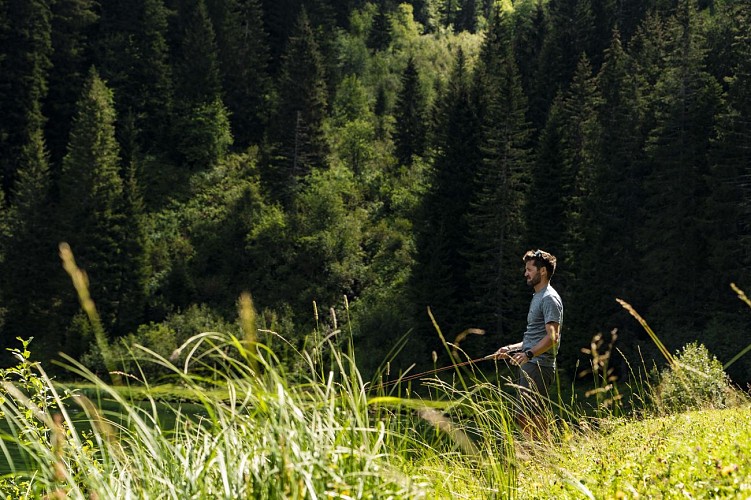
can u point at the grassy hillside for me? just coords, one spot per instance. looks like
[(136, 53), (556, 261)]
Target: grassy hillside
[(695, 454)]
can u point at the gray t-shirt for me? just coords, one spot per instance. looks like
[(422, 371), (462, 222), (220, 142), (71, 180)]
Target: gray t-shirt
[(546, 307)]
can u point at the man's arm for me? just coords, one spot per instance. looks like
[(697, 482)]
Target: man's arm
[(551, 338), (503, 352)]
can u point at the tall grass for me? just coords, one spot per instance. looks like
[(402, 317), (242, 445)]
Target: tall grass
[(263, 439), (322, 432)]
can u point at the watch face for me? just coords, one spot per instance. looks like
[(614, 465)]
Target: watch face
[(530, 354)]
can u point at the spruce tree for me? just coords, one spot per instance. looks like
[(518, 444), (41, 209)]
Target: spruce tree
[(686, 101), (495, 219), (133, 57), (379, 36), (244, 60), (729, 204), (91, 216), (529, 35), (439, 279), (25, 50), (297, 128), (30, 257), (409, 112), (569, 31), (202, 126), (72, 26), (611, 212), (579, 157)]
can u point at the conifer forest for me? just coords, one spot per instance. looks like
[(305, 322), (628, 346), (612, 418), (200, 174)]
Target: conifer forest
[(376, 169)]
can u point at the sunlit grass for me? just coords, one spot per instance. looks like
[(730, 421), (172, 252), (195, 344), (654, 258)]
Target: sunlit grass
[(255, 430), (700, 454)]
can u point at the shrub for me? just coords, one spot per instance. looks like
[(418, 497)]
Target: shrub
[(164, 339), (695, 381)]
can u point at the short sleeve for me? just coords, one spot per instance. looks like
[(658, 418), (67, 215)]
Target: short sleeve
[(552, 309)]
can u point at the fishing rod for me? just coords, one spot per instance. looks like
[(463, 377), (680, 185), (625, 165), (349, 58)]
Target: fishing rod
[(441, 369)]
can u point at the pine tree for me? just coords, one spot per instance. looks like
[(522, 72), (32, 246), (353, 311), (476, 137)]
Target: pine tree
[(379, 36), (569, 32), (30, 256), (728, 208), (580, 164), (135, 270), (244, 60), (91, 216), (496, 222), (611, 212), (72, 24), (297, 127), (409, 134), (686, 100), (278, 21), (440, 278), (467, 18), (529, 36), (133, 57), (25, 50), (202, 124)]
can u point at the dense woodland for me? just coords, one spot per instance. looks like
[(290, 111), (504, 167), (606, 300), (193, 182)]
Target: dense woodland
[(352, 164)]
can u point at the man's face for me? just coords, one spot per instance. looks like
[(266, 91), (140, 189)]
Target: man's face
[(532, 274)]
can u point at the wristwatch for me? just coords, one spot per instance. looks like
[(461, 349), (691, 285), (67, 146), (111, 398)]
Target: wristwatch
[(529, 354)]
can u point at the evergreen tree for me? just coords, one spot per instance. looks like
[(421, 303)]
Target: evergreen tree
[(549, 186), (686, 101), (467, 18), (92, 220), (202, 124), (496, 217), (440, 278), (72, 25), (279, 17), (529, 35), (629, 15), (31, 256), (409, 134), (610, 212), (244, 59), (25, 50), (729, 205), (569, 32), (579, 157), (379, 36), (134, 269), (297, 127), (133, 58)]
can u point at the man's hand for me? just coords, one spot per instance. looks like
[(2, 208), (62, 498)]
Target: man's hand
[(518, 358), (502, 353)]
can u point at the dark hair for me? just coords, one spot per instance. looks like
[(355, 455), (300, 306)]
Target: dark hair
[(541, 258)]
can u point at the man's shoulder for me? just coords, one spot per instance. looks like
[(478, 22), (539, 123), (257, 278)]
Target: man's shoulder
[(552, 293)]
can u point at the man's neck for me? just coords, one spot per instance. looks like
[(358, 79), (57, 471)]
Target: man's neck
[(541, 285)]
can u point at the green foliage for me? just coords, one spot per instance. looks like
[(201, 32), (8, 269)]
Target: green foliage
[(134, 352), (92, 208), (244, 59), (696, 381), (30, 407), (25, 38)]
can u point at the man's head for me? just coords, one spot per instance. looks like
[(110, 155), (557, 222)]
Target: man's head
[(539, 267)]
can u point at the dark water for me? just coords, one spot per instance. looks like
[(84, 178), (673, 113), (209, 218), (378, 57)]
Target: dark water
[(110, 410)]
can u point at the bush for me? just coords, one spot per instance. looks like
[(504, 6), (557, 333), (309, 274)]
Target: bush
[(163, 338), (695, 381)]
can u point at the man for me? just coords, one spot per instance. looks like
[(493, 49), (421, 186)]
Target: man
[(535, 354)]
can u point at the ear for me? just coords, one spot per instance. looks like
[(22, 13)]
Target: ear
[(544, 272)]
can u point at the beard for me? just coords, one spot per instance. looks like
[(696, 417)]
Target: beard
[(534, 281)]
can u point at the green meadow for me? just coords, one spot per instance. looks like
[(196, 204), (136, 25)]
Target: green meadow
[(235, 423)]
